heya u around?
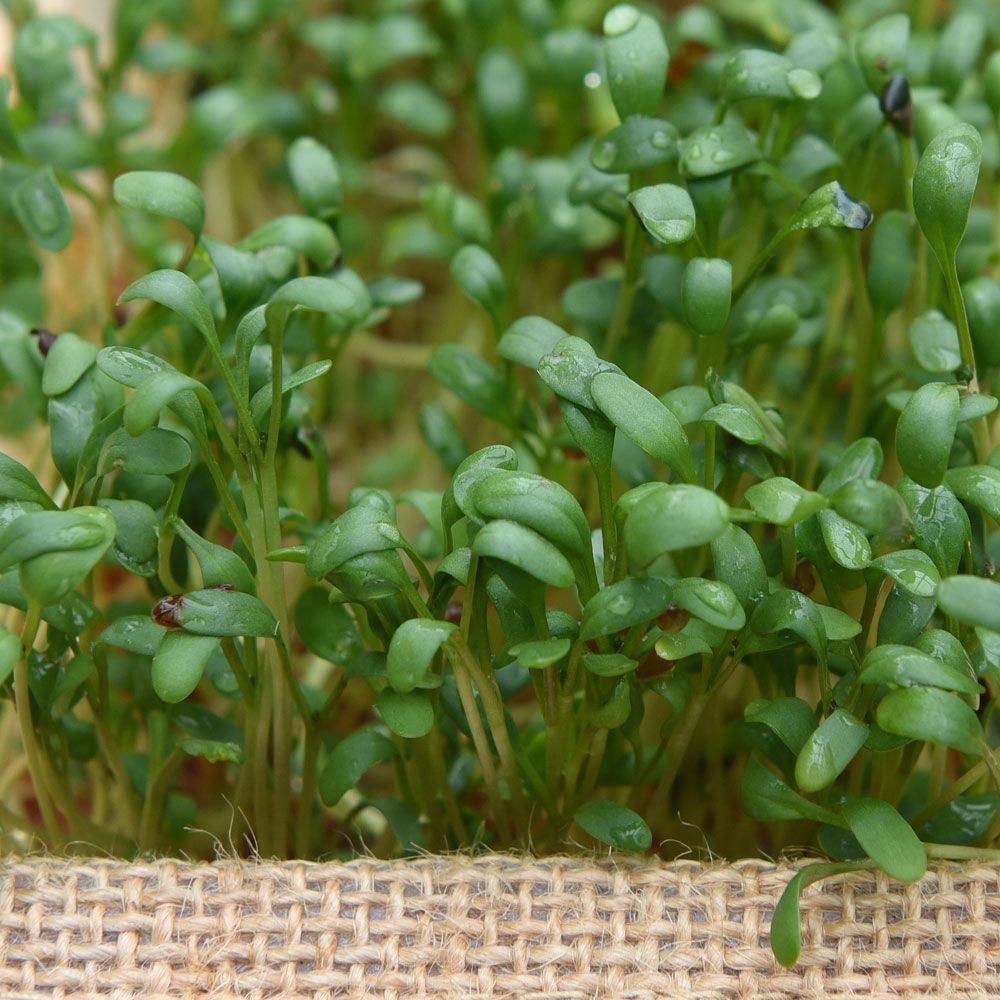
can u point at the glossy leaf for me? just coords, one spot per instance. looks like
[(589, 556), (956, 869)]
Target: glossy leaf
[(926, 431), (782, 501), (526, 550), (828, 750), (905, 666), (355, 754), (615, 825), (636, 58), (411, 652), (666, 212), (671, 518), (944, 184), (216, 612), (931, 715), (629, 602), (912, 570), (644, 419)]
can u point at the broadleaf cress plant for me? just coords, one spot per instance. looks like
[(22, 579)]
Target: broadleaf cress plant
[(697, 319)]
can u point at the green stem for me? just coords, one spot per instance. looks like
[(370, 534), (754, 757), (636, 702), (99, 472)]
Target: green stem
[(32, 751), (156, 794), (634, 251)]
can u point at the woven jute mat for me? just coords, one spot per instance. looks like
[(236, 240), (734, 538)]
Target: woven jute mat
[(490, 926)]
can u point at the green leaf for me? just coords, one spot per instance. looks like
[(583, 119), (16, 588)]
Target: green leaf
[(315, 177), (526, 550), (786, 933), (219, 565), (529, 339), (905, 666), (66, 363), (614, 824), (695, 638), (536, 503), (42, 210), (260, 405), (411, 653), (767, 797), (137, 634), (861, 460), (10, 653), (609, 664), (751, 74), (926, 431), (830, 206), (216, 751), (978, 485), (669, 518), (569, 370), (358, 530), (738, 564), (328, 630), (215, 612), (309, 237), (934, 342), (783, 502), (829, 749), (408, 715), (143, 409), (706, 294), (940, 523), (912, 569), (540, 653), (666, 211), (636, 58), (160, 193), (886, 838), (931, 715), (970, 599), (349, 760), (180, 662), (629, 602), (19, 485), (944, 184), (177, 292), (417, 106), (845, 541), (55, 549), (709, 600), (881, 50), (136, 535), (641, 417), (473, 380), (875, 507), (479, 276), (717, 149), (156, 452), (790, 719), (639, 142)]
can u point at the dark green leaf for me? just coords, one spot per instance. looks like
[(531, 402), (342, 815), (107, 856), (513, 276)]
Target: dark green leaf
[(615, 825)]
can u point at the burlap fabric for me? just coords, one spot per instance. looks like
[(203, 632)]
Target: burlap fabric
[(492, 926)]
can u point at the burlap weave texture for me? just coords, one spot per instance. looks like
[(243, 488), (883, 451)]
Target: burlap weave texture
[(485, 927)]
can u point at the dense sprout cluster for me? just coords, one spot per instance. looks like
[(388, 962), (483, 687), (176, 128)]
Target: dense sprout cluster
[(502, 424)]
